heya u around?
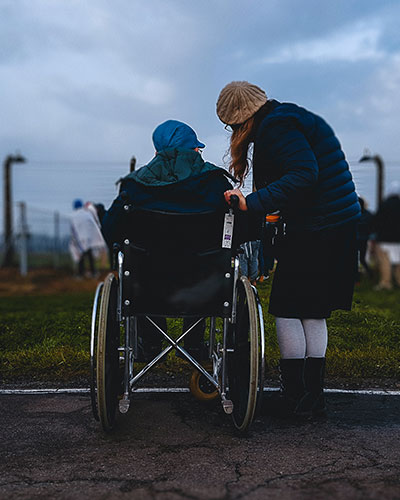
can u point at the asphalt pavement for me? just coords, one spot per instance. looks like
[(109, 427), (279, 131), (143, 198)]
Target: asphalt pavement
[(173, 447)]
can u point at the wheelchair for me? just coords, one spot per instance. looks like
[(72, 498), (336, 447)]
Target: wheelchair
[(174, 265)]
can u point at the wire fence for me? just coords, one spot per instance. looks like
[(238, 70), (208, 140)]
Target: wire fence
[(41, 235), (38, 238)]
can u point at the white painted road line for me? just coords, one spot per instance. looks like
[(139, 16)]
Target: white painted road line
[(368, 392), (87, 391), (158, 390)]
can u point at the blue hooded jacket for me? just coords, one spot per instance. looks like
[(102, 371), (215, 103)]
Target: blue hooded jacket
[(176, 180), (300, 169)]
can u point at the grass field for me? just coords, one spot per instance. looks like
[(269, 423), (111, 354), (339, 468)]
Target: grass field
[(45, 331)]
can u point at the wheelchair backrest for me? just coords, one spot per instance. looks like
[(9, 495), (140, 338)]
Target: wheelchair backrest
[(176, 265)]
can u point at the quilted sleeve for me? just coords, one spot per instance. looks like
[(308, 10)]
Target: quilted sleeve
[(284, 145)]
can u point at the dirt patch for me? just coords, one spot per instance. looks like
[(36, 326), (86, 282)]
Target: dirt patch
[(44, 282)]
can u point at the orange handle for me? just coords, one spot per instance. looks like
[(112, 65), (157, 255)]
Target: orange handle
[(272, 218)]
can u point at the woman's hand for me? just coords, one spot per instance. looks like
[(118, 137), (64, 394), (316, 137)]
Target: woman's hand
[(238, 193)]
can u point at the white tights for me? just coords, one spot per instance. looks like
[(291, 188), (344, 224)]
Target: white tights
[(301, 338)]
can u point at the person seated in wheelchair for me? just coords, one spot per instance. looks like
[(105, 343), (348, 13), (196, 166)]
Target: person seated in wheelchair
[(177, 180)]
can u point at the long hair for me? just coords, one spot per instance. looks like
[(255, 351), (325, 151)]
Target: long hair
[(241, 138)]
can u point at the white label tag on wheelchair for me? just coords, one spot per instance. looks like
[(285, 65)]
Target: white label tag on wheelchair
[(227, 233)]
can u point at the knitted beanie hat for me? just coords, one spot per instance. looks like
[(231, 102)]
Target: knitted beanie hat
[(238, 101)]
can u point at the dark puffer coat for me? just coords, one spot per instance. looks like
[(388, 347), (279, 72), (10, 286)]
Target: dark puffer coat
[(300, 169)]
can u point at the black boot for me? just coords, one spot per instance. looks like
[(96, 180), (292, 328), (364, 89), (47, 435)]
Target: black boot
[(314, 401), (285, 403)]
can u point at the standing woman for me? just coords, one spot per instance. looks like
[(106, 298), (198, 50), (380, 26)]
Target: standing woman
[(299, 169)]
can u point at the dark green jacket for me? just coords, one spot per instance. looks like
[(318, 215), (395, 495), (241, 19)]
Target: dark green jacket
[(176, 180)]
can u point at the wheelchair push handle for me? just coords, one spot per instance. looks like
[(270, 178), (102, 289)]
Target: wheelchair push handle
[(114, 261), (234, 201)]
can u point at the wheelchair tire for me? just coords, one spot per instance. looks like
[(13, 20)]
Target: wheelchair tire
[(243, 362), (93, 350), (262, 361), (201, 388), (107, 369)]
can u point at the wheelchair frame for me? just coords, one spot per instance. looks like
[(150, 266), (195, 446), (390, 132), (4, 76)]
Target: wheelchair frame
[(238, 363)]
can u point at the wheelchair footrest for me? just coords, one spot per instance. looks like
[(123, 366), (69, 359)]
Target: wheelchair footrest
[(124, 404), (227, 405)]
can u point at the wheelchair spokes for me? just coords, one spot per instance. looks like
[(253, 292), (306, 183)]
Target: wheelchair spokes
[(235, 367)]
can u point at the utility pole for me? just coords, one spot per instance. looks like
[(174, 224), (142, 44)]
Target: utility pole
[(56, 239), (23, 240), (380, 169), (8, 232)]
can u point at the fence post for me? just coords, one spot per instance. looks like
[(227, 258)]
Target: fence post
[(56, 239), (23, 240), (8, 219)]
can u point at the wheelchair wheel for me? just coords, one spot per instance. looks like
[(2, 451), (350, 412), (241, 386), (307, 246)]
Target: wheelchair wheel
[(107, 354), (243, 362), (262, 362), (93, 350), (201, 388)]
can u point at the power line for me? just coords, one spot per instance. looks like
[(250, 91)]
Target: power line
[(80, 162), (45, 211), (386, 162)]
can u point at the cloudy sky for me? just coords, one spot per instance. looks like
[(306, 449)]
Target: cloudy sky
[(84, 83)]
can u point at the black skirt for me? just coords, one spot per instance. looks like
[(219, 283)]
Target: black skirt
[(315, 274)]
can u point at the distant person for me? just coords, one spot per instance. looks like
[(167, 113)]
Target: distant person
[(364, 230), (387, 232), (86, 238), (299, 169), (99, 252), (97, 211), (100, 210), (248, 260), (177, 179), (262, 266), (266, 254)]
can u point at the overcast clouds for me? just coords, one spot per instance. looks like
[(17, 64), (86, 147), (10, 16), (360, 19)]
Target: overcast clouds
[(87, 81)]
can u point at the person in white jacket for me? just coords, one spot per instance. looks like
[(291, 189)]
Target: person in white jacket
[(86, 238)]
